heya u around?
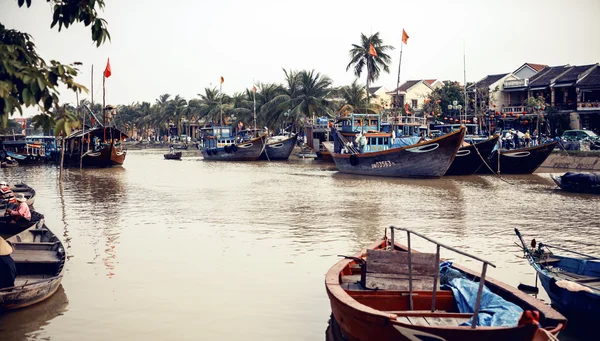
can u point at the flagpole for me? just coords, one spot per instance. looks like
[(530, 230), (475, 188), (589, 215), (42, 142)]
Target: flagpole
[(88, 140), (465, 80), (254, 98), (397, 100), (104, 104), (221, 98)]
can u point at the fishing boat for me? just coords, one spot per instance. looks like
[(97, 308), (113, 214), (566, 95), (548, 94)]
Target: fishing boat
[(220, 144), (518, 161), (39, 258), (279, 147), (173, 155), (578, 182), (471, 156), (9, 162), (317, 132), (361, 148), (8, 229), (389, 291), (572, 283), (95, 147), (23, 151)]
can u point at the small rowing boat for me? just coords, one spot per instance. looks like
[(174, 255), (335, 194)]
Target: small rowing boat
[(173, 156), (390, 292), (39, 257), (578, 182)]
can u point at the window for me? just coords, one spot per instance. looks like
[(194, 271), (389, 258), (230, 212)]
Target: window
[(414, 103)]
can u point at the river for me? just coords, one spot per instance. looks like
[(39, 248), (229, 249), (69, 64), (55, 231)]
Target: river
[(189, 250)]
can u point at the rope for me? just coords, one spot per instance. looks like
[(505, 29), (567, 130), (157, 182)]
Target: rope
[(488, 166), (265, 147)]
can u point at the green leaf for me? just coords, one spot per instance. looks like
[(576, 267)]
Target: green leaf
[(48, 103), (21, 2), (27, 97), (41, 83), (52, 79)]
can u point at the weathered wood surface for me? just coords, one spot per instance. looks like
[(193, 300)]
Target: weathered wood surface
[(399, 282), (396, 262), (433, 321), (35, 256)]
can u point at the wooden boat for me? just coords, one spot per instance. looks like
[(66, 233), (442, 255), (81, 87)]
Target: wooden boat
[(578, 182), (390, 292), (573, 284), (316, 134), (173, 156), (470, 158), (9, 163), (279, 148), (429, 159), (40, 258), (99, 154), (9, 229), (23, 152), (27, 191), (221, 145), (518, 161)]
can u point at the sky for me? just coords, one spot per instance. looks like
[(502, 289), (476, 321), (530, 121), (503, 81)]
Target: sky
[(181, 47)]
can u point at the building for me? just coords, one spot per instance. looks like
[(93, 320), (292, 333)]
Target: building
[(379, 95), (413, 93)]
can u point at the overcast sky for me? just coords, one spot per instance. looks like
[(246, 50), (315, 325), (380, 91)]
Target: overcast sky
[(181, 47)]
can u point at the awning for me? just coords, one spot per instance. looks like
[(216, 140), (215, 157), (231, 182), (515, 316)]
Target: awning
[(562, 85), (538, 88), (521, 88)]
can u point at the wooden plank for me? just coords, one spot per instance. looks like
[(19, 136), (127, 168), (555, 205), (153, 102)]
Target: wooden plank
[(33, 256), (418, 321), (396, 262), (389, 283), (435, 321), (403, 319), (350, 278)]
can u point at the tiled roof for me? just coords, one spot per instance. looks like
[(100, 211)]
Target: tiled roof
[(407, 85), (591, 80), (430, 81), (537, 67), (374, 89), (573, 74), (489, 80), (546, 76)]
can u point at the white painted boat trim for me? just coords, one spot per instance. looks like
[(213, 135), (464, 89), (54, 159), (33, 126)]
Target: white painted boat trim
[(424, 149)]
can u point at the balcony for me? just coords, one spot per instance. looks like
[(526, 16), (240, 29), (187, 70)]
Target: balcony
[(517, 109), (565, 106), (516, 83), (588, 106)]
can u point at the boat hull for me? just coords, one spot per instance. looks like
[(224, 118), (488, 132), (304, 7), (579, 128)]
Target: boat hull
[(245, 151), (108, 156), (470, 158), (280, 150), (9, 229), (37, 278), (519, 161), (429, 159), (173, 156), (576, 187), (575, 305)]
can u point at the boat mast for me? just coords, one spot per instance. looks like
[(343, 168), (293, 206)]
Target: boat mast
[(103, 104), (397, 99), (465, 80)]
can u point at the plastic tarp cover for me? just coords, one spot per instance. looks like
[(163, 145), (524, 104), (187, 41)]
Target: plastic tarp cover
[(405, 141), (494, 311), (590, 179)]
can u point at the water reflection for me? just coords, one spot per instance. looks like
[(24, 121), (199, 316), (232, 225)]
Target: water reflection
[(26, 324)]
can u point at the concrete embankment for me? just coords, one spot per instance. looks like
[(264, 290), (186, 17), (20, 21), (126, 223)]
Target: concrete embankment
[(574, 160)]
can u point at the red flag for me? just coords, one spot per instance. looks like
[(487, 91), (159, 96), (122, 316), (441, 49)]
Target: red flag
[(404, 37), (254, 88), (372, 51), (222, 79), (107, 71)]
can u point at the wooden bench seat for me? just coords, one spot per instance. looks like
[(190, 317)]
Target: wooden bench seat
[(35, 256)]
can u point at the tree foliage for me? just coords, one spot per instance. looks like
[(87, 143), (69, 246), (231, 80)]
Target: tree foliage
[(441, 97), (361, 58), (26, 79)]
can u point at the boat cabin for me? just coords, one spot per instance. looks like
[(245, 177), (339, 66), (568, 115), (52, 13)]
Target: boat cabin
[(93, 139), (221, 136), (23, 150), (317, 131)]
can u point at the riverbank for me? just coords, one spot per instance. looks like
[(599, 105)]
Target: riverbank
[(572, 159)]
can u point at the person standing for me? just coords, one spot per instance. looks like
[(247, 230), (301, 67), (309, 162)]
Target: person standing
[(8, 270), (527, 138)]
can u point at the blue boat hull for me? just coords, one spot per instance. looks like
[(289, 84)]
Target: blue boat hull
[(581, 303)]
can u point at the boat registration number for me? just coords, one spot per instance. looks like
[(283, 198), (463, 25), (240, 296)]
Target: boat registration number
[(383, 164)]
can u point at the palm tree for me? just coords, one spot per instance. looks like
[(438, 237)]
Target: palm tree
[(66, 122), (213, 103), (304, 95), (355, 98), (361, 58), (45, 121), (175, 110)]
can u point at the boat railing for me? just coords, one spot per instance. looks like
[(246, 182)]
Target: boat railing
[(436, 277)]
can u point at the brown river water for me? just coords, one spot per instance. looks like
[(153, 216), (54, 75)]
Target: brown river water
[(190, 250)]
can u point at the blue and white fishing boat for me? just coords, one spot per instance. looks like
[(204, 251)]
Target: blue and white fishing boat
[(572, 283), (221, 144)]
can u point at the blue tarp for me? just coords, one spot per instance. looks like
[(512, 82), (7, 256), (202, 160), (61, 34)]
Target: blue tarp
[(405, 141), (494, 311)]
